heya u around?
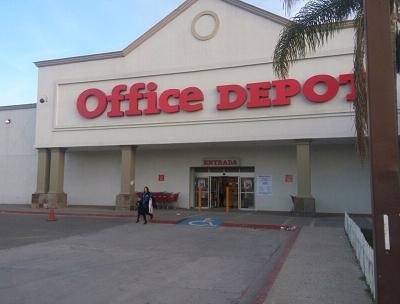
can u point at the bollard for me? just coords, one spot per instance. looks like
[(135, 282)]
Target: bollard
[(199, 199), (227, 199), (52, 216)]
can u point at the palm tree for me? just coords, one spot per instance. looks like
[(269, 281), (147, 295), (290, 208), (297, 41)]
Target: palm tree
[(311, 27)]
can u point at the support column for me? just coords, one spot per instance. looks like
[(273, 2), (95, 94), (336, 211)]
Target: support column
[(304, 202), (303, 169), (126, 199), (56, 196), (39, 198)]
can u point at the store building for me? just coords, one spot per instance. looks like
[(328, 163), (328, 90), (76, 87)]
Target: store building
[(193, 104)]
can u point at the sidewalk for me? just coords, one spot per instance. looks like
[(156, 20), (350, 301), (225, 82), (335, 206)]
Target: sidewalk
[(320, 267)]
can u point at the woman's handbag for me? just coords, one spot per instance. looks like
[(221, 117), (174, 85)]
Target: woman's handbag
[(151, 205)]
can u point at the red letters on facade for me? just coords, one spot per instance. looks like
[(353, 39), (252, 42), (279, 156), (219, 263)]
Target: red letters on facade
[(101, 103), (143, 99), (332, 88), (170, 101)]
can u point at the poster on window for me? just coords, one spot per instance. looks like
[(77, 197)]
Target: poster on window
[(264, 185), (247, 185), (201, 183)]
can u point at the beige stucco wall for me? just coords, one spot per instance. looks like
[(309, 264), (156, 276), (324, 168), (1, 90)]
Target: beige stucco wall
[(340, 180), (18, 158), (92, 177)]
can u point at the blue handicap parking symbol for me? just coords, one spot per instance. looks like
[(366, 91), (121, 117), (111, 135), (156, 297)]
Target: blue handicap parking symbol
[(205, 222)]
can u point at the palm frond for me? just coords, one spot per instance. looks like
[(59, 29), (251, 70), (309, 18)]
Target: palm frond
[(312, 26), (394, 4), (288, 5)]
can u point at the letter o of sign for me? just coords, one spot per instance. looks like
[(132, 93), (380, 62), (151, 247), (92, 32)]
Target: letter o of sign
[(331, 91), (101, 103)]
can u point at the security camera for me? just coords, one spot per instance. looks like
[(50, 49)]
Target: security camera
[(41, 100)]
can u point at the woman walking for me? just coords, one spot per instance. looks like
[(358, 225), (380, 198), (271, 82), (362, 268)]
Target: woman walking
[(143, 207)]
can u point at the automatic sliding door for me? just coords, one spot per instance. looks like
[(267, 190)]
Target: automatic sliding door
[(202, 190), (247, 192), (215, 191), (212, 192)]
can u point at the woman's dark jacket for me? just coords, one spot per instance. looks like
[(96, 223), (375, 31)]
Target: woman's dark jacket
[(144, 203)]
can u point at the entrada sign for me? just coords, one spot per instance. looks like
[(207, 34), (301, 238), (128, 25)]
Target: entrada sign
[(221, 162), (233, 96)]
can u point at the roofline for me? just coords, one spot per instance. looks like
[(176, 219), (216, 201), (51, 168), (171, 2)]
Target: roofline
[(161, 24), (18, 107), (157, 27), (75, 59), (258, 11), (347, 24)]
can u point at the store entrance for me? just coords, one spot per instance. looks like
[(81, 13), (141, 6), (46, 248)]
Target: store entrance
[(216, 190), (223, 188)]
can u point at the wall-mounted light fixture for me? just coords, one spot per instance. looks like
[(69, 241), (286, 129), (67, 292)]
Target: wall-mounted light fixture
[(7, 121)]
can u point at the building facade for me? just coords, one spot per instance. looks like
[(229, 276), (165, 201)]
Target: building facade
[(192, 106)]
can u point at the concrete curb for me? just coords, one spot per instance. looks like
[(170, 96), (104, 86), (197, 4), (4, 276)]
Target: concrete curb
[(259, 226)]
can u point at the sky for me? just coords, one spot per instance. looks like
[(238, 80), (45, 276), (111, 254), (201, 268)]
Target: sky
[(36, 30)]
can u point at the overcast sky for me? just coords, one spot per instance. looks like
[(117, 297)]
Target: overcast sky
[(35, 30)]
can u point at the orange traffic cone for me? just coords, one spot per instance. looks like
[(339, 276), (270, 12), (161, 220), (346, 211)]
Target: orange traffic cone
[(52, 216)]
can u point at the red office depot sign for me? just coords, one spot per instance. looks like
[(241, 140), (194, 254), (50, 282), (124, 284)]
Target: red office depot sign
[(232, 96)]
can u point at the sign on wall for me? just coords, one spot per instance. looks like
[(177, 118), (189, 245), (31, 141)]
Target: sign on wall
[(316, 89), (289, 178), (222, 162), (229, 109), (264, 185)]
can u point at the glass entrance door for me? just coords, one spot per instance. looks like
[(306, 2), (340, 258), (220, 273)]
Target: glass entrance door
[(215, 199), (219, 186), (201, 190), (247, 193), (212, 190)]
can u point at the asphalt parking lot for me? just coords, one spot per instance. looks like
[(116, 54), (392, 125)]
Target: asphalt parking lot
[(19, 230), (90, 260)]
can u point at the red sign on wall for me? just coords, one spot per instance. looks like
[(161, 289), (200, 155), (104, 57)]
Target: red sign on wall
[(288, 178), (190, 99), (161, 177)]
